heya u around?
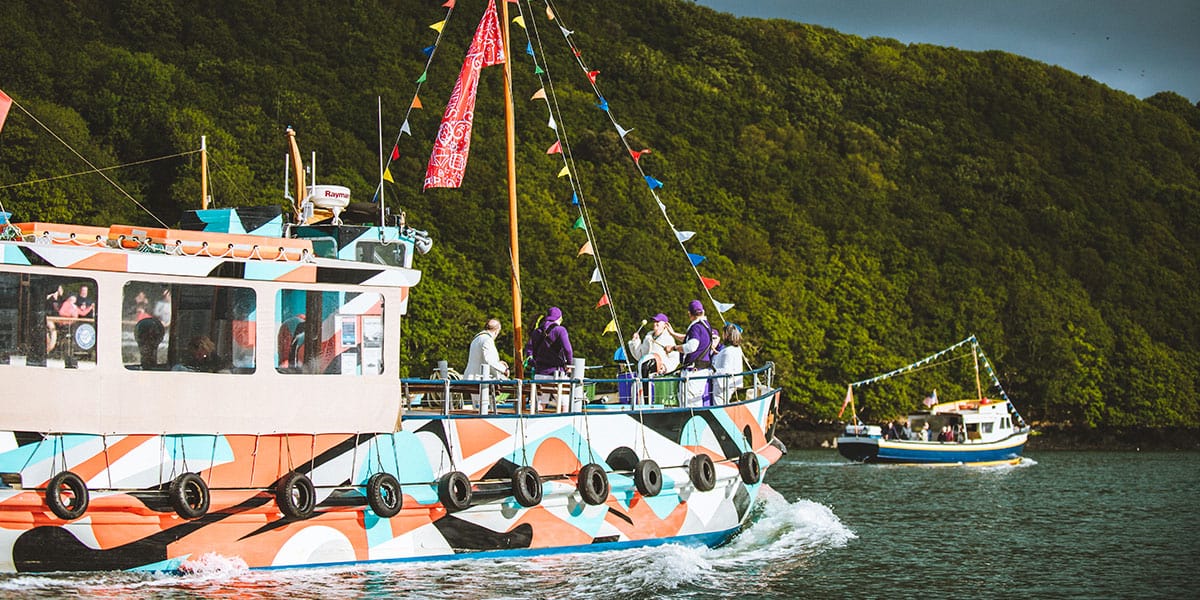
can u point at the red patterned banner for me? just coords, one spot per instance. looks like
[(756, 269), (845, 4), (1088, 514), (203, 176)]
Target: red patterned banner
[(449, 159)]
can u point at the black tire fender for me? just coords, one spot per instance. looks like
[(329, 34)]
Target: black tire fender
[(454, 490), (384, 495), (647, 477), (592, 484), (189, 496), (702, 472), (749, 468), (296, 496), (527, 486), (71, 506)]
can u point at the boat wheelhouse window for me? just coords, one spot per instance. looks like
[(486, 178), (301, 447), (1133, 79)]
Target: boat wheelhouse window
[(393, 253), (987, 427), (346, 340), (184, 327), (47, 321)]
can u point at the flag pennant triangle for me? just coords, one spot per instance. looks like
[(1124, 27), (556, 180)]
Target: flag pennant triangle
[(552, 124), (653, 183), (537, 70), (387, 175), (421, 79), (556, 148), (564, 172), (695, 258), (549, 13), (619, 354), (621, 131), (574, 199), (603, 104), (709, 283), (611, 327), (723, 307), (637, 155), (416, 103), (684, 236), (592, 76), (428, 50), (579, 224), (395, 152), (541, 93), (438, 26), (586, 248), (449, 4), (404, 128), (519, 21), (529, 48), (603, 301), (595, 276), (566, 32)]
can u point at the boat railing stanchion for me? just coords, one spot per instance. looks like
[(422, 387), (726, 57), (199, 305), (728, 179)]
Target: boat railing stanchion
[(444, 372), (520, 396), (533, 398), (576, 400)]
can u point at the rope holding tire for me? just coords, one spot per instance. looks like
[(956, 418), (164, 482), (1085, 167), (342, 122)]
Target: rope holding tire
[(454, 490), (592, 484), (702, 472), (647, 477), (384, 495), (296, 496), (749, 468), (74, 503), (189, 496), (527, 486)]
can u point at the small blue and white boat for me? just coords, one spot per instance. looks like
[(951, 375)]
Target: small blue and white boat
[(978, 431)]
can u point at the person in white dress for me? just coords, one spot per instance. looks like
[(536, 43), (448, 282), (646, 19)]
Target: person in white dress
[(729, 361), (659, 351), (483, 361)]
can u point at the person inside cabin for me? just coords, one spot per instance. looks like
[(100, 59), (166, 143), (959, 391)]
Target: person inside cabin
[(904, 432), (659, 347), (483, 360), (946, 434), (148, 332), (925, 432), (201, 356), (700, 342), (960, 434), (889, 430), (729, 361), (53, 304), (550, 347), (87, 306), (162, 308)]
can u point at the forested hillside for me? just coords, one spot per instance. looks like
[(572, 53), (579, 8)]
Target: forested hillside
[(862, 202)]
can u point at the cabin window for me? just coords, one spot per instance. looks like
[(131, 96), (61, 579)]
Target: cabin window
[(346, 340), (188, 328), (987, 427), (47, 321), (393, 253)]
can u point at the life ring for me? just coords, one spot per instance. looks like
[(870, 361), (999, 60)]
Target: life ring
[(527, 486), (592, 484), (189, 496), (454, 490), (384, 495), (296, 496), (74, 503), (702, 472), (749, 468), (647, 477)]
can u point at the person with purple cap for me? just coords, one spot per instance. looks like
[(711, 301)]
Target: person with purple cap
[(698, 346), (660, 344), (550, 347)]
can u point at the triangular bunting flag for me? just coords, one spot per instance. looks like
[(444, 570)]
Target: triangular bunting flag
[(695, 258), (395, 152), (421, 79), (404, 128), (709, 283), (519, 21), (611, 327), (549, 13), (556, 148), (438, 26), (537, 70), (387, 175), (603, 104), (722, 307), (574, 199), (564, 172), (595, 275), (416, 103), (637, 154), (541, 93), (603, 301), (449, 4), (592, 76), (621, 131), (654, 183), (684, 236), (566, 32), (529, 48), (552, 124), (428, 50), (585, 249), (579, 223), (619, 354), (848, 400)]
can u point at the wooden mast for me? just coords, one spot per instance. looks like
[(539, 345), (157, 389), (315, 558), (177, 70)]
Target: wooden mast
[(514, 247), (203, 173)]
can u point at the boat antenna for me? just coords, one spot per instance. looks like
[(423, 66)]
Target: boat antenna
[(510, 145)]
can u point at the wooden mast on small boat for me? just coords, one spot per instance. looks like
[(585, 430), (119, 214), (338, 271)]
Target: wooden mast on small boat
[(510, 144), (203, 173)]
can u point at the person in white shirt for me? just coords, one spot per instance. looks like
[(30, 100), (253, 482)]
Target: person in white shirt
[(729, 361), (483, 360), (659, 343)]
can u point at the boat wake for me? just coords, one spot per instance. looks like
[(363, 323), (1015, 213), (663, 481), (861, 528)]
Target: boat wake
[(781, 538)]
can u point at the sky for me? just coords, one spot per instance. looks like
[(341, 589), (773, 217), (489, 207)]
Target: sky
[(1138, 46)]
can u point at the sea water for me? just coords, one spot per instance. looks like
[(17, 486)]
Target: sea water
[(1060, 525)]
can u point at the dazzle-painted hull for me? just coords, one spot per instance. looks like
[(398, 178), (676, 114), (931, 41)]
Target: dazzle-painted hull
[(130, 523), (878, 450)]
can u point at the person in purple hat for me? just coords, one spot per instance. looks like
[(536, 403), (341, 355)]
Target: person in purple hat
[(659, 343), (698, 347), (550, 347)]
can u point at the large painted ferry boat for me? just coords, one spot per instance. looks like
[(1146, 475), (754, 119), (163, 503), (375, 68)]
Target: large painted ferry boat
[(231, 387)]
